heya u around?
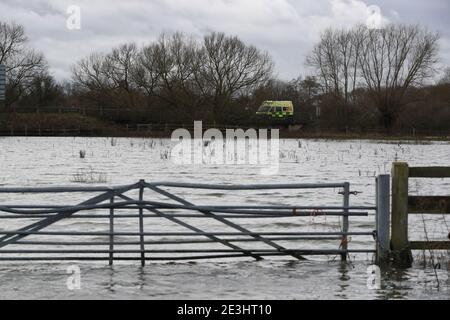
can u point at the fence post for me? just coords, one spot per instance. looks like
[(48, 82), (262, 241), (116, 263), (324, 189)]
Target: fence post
[(383, 218), (111, 231), (141, 221), (401, 250), (346, 203)]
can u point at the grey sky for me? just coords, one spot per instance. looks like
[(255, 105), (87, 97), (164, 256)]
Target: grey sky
[(288, 29)]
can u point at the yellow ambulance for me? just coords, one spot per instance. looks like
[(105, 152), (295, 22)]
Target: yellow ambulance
[(276, 110)]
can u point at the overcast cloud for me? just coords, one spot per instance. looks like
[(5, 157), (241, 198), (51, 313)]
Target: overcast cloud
[(288, 29)]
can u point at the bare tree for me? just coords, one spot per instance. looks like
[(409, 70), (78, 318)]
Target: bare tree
[(12, 39), (90, 76), (392, 60), (108, 75), (119, 64), (324, 60), (89, 73), (229, 67), (22, 63), (167, 68), (335, 59), (387, 62), (145, 73)]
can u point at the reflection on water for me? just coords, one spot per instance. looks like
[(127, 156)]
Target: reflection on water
[(344, 278), (221, 280)]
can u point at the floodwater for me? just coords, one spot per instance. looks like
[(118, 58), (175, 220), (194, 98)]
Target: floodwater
[(52, 161)]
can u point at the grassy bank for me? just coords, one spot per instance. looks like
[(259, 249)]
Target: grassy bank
[(49, 124), (75, 124)]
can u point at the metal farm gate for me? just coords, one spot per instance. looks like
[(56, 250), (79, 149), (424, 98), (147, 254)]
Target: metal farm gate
[(47, 232)]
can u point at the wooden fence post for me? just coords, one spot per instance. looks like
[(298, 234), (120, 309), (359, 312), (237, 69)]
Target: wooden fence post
[(345, 223), (400, 246)]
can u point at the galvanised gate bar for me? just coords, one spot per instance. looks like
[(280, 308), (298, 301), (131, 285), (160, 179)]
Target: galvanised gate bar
[(37, 239)]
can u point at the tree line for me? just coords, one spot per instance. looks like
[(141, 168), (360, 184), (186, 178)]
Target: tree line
[(175, 75), (360, 78), (385, 63)]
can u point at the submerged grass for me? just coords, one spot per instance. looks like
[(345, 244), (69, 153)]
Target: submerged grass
[(89, 176)]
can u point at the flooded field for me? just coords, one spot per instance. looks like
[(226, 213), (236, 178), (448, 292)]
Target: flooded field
[(105, 161)]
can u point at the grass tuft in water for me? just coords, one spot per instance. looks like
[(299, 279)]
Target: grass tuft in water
[(89, 176)]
